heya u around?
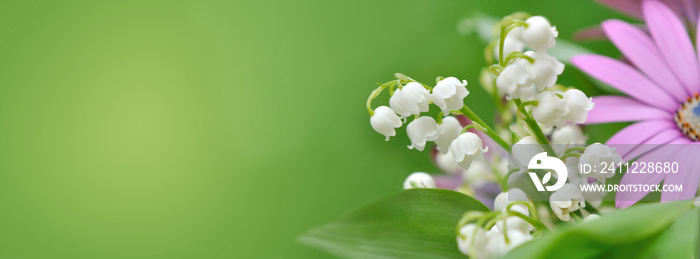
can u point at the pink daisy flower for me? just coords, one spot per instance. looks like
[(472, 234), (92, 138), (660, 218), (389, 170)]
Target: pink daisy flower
[(663, 89)]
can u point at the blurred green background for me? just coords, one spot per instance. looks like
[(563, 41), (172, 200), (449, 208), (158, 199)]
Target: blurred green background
[(215, 129)]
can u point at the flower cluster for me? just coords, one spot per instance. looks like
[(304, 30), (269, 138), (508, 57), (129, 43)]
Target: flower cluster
[(529, 76), (413, 99), (533, 112), (508, 227)]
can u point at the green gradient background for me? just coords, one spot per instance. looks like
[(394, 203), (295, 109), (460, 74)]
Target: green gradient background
[(214, 129)]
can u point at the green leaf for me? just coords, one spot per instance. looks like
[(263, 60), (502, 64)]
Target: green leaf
[(416, 223), (618, 234)]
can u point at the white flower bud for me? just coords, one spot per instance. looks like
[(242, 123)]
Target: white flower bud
[(420, 131), (505, 198), (448, 130), (470, 236), (385, 121), (449, 94), (466, 148), (566, 200), (545, 69), (412, 99), (539, 34), (524, 150), (579, 105), (514, 78), (419, 180), (595, 155), (550, 109)]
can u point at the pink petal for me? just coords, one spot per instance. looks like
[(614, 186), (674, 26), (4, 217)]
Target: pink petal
[(626, 79), (624, 140), (673, 42), (639, 132), (663, 137), (641, 50), (687, 176), (621, 109), (629, 7), (664, 153)]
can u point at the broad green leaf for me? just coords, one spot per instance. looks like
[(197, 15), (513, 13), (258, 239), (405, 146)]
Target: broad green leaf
[(678, 241), (416, 223), (615, 234)]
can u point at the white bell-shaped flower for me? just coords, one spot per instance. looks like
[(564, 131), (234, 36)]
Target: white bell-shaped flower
[(545, 70), (595, 155), (524, 150), (412, 99), (385, 121), (579, 105), (514, 222), (566, 200), (570, 134), (448, 130), (449, 94), (470, 236), (539, 34), (514, 78), (467, 148), (503, 199), (550, 109), (496, 245), (419, 180), (420, 131)]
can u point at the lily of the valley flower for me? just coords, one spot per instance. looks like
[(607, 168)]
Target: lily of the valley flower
[(595, 155), (419, 180), (539, 34), (448, 130), (449, 94), (497, 246), (470, 236), (466, 148), (566, 200), (545, 70), (550, 109), (505, 198), (579, 104), (420, 131), (385, 121), (514, 78), (512, 223), (412, 99), (569, 135)]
